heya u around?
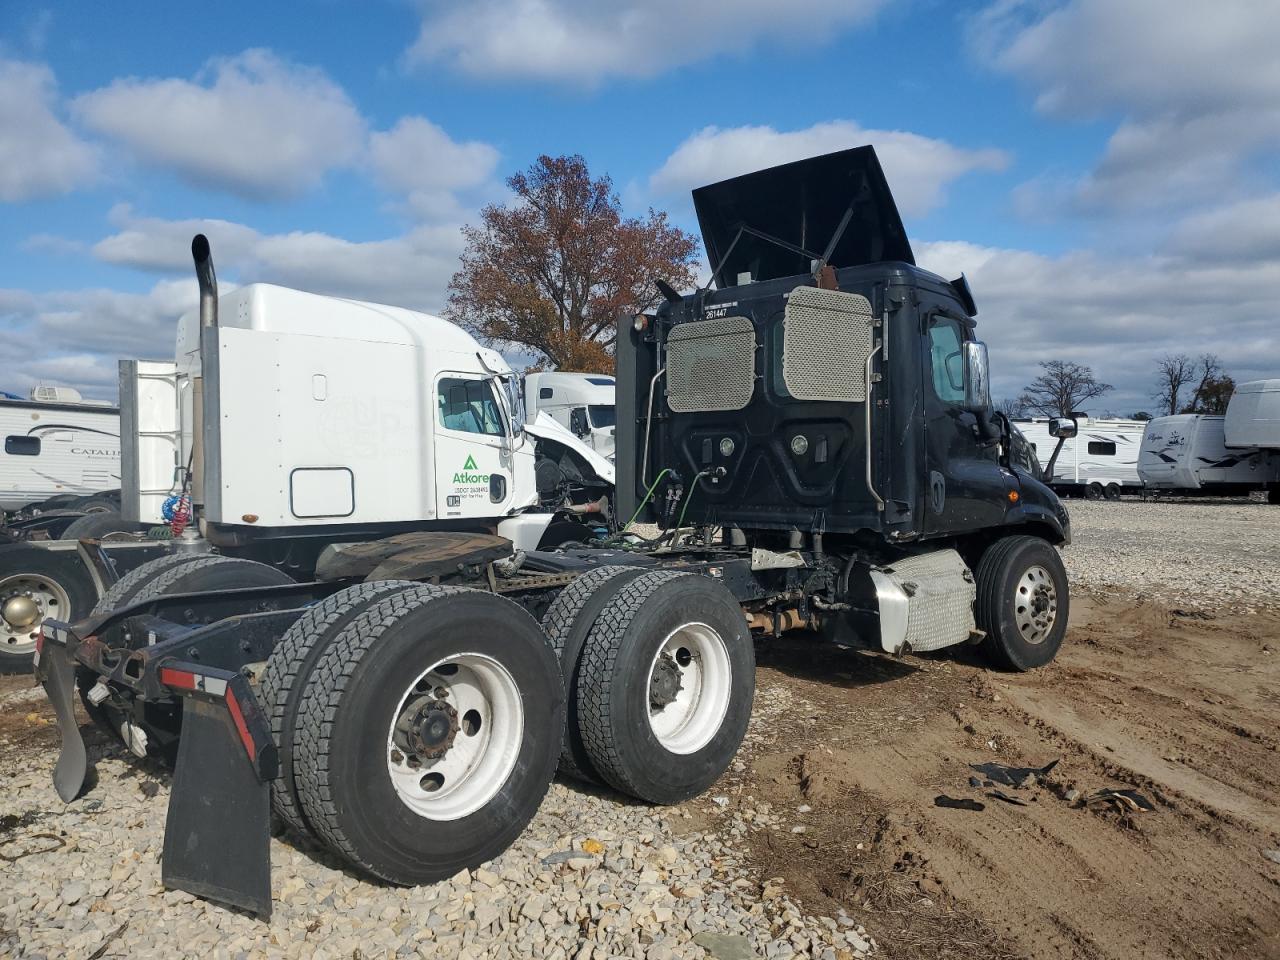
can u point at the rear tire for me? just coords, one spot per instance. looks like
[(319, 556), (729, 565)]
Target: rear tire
[(395, 671), (1111, 491), (289, 669), (1023, 602), (37, 583), (566, 623), (95, 526), (162, 721), (121, 594), (1093, 491), (664, 635)]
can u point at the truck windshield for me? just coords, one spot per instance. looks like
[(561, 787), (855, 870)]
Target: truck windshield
[(603, 416)]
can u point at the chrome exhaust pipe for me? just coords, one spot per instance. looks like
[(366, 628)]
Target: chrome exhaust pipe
[(207, 278), (208, 281)]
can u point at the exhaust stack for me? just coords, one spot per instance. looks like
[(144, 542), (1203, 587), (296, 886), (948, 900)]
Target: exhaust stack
[(208, 281), (207, 278)]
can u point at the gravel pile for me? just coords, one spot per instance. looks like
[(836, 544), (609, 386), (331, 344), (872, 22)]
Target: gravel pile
[(595, 876), (1193, 553)]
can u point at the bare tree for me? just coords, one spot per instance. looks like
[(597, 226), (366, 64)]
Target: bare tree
[(1012, 407), (1063, 388), (1173, 374), (1214, 389)]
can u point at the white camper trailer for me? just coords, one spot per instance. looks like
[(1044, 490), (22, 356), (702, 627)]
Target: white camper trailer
[(1253, 415), (1101, 460), (57, 443), (583, 402), (1188, 453)]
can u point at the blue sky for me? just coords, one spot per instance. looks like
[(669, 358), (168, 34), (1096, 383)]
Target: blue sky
[(1103, 170)]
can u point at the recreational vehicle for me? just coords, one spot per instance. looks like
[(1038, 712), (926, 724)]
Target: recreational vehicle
[(1188, 453), (583, 402), (1100, 461), (57, 443)]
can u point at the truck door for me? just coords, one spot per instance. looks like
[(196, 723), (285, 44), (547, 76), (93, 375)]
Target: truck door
[(473, 449), (966, 488)]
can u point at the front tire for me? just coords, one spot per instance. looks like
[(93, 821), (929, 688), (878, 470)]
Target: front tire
[(665, 686), (428, 733), (1023, 602)]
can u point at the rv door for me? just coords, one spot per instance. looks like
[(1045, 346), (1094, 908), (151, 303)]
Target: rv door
[(150, 440)]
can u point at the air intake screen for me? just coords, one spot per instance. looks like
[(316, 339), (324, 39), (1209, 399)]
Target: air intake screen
[(711, 365), (826, 342)]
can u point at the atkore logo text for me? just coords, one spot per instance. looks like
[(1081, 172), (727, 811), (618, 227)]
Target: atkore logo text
[(463, 476)]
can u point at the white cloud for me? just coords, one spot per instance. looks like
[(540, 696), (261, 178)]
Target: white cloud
[(918, 168), (1117, 316), (410, 270), (421, 162), (1246, 232), (1198, 87), (586, 41), (39, 155), (74, 337), (253, 124)]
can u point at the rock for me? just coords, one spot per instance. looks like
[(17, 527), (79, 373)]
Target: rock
[(726, 946), (1272, 855)]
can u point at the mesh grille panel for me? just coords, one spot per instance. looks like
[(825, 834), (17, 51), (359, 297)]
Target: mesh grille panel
[(826, 342), (711, 365)]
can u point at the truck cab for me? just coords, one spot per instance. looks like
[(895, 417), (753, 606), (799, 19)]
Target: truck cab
[(827, 384), (582, 402)]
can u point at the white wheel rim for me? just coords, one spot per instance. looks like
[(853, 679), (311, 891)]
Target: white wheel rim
[(1035, 604), (480, 753), (26, 599), (687, 719)]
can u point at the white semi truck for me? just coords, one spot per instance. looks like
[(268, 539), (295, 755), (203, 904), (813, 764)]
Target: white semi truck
[(324, 420), (582, 402)]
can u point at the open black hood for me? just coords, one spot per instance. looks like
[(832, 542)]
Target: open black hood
[(801, 207)]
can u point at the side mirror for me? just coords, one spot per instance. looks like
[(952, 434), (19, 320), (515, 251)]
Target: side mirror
[(1063, 427), (578, 421), (977, 377)]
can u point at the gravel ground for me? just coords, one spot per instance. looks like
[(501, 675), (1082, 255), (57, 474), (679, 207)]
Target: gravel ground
[(1202, 554), (593, 877)]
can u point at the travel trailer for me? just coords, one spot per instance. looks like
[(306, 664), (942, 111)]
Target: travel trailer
[(1100, 461), (57, 443), (1188, 453), (583, 402)]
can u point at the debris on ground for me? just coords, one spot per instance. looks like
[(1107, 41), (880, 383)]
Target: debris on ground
[(952, 803), (1013, 776), (1124, 800), (1001, 795)]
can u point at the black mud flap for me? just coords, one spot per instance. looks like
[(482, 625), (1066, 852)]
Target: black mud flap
[(57, 673), (217, 837)]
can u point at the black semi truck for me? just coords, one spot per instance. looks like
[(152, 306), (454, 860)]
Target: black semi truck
[(810, 443)]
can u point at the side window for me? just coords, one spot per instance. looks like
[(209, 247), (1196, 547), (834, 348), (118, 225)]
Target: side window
[(1102, 448), (19, 446), (468, 406), (946, 359)]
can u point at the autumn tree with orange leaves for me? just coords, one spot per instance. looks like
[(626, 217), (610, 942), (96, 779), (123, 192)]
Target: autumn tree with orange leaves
[(552, 270)]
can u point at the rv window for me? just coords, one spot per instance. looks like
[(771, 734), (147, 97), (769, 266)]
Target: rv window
[(469, 406), (948, 363), (22, 446), (1102, 448)]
